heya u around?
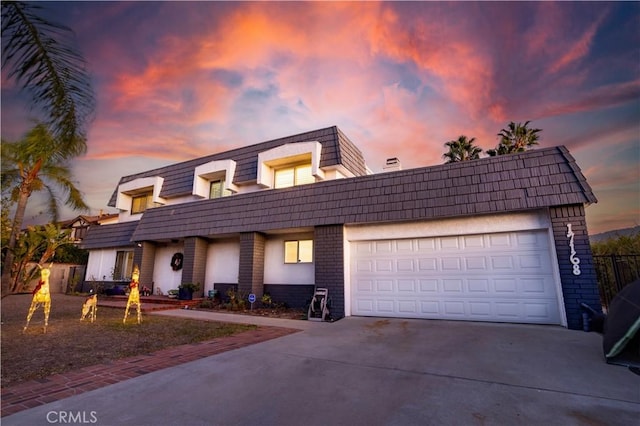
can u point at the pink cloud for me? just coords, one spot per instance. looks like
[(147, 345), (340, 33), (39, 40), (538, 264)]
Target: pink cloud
[(578, 49)]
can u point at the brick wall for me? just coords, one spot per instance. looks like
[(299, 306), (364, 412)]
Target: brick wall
[(582, 288), (251, 274), (195, 262), (329, 265)]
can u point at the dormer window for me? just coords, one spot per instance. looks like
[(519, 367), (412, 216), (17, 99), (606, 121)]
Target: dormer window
[(139, 203), (138, 195), (292, 176), (289, 165), (217, 189), (213, 179)]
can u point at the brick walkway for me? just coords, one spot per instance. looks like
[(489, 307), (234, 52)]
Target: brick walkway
[(42, 391)]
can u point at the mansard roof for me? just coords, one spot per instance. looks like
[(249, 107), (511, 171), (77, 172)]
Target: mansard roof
[(531, 180), (113, 235), (337, 149)]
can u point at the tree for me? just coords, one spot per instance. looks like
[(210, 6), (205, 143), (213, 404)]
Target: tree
[(461, 149), (39, 56), (34, 164), (517, 137), (37, 244)]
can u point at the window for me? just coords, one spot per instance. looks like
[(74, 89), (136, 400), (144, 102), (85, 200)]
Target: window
[(139, 203), (123, 268), (217, 190), (292, 176), (298, 251)]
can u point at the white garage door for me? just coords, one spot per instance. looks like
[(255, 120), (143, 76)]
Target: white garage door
[(505, 277)]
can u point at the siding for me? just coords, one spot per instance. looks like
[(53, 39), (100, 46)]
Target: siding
[(114, 235), (531, 180), (178, 178)]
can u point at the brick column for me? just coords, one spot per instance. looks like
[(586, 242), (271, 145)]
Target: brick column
[(195, 262), (145, 256), (579, 281), (251, 274), (328, 246)]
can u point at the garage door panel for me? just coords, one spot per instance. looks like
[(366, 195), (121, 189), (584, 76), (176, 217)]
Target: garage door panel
[(449, 243), (405, 285), (363, 286), (494, 277), (476, 263), (385, 306), (429, 308), (363, 247), (426, 245), (404, 246), (428, 286), (364, 266), (427, 264), (384, 246), (407, 306), (502, 263), (453, 308), (478, 286), (480, 309), (451, 264), (405, 265), (474, 241), (383, 286), (384, 265)]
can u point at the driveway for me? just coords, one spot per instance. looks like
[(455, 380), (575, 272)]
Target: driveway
[(373, 371)]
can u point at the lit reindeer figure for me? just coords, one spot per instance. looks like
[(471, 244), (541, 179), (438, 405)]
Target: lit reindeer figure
[(90, 307), (41, 296), (134, 295)]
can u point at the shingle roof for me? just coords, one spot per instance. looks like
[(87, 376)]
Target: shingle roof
[(530, 180), (114, 235), (178, 178)]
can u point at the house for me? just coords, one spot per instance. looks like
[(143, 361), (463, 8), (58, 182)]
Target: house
[(80, 224), (497, 239)]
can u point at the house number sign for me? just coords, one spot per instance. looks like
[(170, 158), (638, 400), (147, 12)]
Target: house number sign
[(575, 261)]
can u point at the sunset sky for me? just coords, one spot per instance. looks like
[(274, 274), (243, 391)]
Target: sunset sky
[(178, 80)]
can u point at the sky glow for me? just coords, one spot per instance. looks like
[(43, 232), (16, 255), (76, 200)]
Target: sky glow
[(178, 80)]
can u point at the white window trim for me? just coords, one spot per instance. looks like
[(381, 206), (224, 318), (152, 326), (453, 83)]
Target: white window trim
[(126, 191), (289, 153), (213, 170)]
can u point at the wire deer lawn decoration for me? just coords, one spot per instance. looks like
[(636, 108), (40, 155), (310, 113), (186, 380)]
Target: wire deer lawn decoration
[(90, 307), (134, 295), (41, 296)]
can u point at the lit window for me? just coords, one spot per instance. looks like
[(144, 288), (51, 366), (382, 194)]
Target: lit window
[(292, 176), (140, 203), (298, 251), (216, 189)]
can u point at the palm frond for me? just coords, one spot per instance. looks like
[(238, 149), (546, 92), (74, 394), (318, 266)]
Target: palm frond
[(43, 62)]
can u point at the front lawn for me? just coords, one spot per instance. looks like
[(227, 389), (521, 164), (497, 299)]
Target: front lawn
[(70, 343)]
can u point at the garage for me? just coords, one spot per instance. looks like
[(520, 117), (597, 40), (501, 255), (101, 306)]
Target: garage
[(500, 277)]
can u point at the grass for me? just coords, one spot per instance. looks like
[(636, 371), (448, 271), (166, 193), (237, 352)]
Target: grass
[(70, 343)]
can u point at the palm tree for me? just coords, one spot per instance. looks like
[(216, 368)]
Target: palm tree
[(462, 149), (34, 164), (41, 59), (517, 137), (39, 56)]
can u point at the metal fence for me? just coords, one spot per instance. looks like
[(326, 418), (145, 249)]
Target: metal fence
[(614, 272)]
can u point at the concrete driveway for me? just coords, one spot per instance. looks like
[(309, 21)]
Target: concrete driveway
[(373, 371)]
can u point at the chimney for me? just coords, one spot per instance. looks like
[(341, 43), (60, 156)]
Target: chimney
[(392, 165)]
